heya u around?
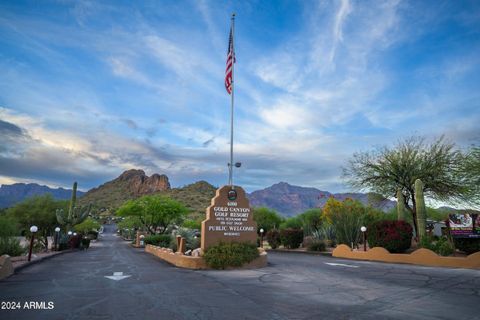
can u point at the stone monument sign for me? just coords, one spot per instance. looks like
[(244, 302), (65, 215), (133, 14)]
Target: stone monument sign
[(229, 218)]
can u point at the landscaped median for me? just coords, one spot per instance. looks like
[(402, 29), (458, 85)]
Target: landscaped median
[(190, 262), (422, 256)]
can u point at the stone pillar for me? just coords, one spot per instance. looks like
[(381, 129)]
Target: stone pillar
[(182, 245), (137, 238)]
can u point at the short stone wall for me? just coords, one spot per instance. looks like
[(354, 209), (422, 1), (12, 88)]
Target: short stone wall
[(421, 256), (6, 266), (197, 263)]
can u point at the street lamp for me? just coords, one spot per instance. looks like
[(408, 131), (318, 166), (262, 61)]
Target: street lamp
[(74, 234), (142, 243), (57, 230), (69, 233), (364, 231), (261, 237), (33, 230)]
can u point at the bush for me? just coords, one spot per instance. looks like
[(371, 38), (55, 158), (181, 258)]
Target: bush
[(233, 254), (316, 245), (8, 243), (440, 246), (191, 236), (395, 236), (161, 240), (326, 233), (273, 238), (291, 238), (11, 246), (467, 245)]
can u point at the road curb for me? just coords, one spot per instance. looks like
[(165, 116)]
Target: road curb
[(312, 253)]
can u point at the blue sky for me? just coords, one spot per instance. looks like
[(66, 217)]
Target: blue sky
[(89, 89)]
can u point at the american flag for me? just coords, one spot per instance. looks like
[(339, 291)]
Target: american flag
[(230, 62)]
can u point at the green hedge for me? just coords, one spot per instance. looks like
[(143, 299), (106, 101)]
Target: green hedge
[(395, 236), (160, 240), (233, 254), (440, 246), (291, 238), (317, 245)]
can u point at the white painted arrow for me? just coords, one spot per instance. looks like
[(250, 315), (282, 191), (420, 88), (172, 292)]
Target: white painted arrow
[(341, 265), (117, 276)]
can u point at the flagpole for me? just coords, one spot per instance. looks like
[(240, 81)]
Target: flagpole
[(230, 178)]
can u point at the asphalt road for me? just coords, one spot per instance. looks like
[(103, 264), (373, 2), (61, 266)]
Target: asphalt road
[(293, 286)]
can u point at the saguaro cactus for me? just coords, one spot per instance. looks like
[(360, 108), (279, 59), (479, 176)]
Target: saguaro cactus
[(420, 209), (75, 215), (400, 206)]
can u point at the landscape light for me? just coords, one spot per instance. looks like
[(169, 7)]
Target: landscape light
[(261, 237), (364, 229), (33, 230), (55, 245)]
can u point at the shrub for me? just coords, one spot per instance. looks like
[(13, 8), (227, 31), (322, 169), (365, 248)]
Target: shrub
[(273, 238), (233, 254), (316, 245), (161, 240), (395, 236), (192, 239), (467, 245), (11, 246), (346, 217), (8, 243), (291, 238), (326, 232), (440, 246)]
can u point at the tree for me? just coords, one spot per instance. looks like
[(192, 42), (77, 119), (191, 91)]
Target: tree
[(440, 166), (311, 220), (266, 219), (471, 168), (130, 222), (87, 225), (155, 212), (347, 217), (38, 211)]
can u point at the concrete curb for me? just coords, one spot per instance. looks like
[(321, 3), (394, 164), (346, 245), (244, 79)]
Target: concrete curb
[(312, 253)]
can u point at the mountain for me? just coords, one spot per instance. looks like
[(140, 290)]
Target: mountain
[(196, 197), (14, 193), (131, 184), (289, 200)]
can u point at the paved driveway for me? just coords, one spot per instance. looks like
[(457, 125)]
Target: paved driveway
[(293, 286)]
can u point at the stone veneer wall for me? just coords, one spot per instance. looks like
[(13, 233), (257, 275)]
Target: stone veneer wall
[(6, 267), (421, 256)]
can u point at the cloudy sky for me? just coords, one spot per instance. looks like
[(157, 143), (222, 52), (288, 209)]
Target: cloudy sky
[(89, 89)]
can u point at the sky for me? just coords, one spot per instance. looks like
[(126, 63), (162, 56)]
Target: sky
[(89, 89)]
